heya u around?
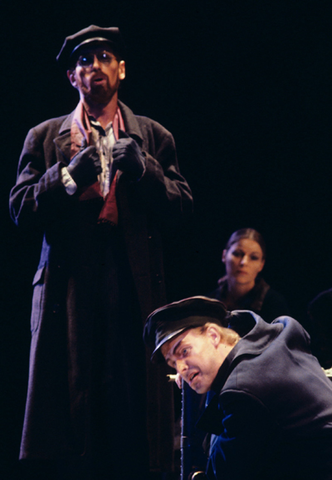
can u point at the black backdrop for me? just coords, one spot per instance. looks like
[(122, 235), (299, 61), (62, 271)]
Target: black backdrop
[(243, 85)]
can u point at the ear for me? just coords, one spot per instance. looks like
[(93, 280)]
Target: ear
[(71, 74), (214, 335), (223, 256), (122, 69)]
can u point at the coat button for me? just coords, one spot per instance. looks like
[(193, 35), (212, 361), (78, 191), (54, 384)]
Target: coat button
[(56, 308)]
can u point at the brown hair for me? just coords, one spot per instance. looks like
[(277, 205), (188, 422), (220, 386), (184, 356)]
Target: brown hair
[(249, 233)]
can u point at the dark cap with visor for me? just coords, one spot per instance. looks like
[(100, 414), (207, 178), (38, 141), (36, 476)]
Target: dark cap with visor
[(88, 35), (168, 321)]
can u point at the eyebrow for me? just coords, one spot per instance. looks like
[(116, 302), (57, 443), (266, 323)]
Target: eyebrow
[(175, 348), (250, 253)]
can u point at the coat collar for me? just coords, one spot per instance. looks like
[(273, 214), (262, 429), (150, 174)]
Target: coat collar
[(132, 126), (253, 300), (255, 340), (63, 141), (130, 120), (256, 335)]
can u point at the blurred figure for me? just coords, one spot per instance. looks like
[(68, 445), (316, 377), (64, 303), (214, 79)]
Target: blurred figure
[(242, 288), (320, 318)]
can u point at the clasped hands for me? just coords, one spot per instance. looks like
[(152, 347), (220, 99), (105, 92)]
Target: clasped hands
[(127, 157)]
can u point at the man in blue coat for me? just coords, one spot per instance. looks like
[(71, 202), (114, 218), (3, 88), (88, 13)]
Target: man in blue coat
[(102, 185), (269, 408)]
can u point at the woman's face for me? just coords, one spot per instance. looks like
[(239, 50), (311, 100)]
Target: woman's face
[(243, 261)]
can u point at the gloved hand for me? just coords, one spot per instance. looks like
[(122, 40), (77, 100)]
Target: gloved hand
[(128, 157), (85, 167)]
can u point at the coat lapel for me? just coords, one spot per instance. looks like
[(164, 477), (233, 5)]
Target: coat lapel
[(63, 141)]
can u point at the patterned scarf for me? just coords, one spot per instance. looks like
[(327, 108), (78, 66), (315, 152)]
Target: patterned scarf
[(81, 131)]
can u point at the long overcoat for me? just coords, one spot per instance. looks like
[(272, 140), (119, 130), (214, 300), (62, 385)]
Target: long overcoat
[(56, 415)]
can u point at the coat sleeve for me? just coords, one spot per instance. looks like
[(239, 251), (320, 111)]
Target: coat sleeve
[(162, 187), (246, 442), (39, 193)]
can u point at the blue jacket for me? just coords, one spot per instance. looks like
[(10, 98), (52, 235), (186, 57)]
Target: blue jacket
[(271, 417)]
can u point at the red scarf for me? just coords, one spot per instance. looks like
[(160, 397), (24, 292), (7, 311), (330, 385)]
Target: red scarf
[(81, 129)]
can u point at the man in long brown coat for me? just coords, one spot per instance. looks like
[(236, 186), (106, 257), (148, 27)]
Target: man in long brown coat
[(102, 184)]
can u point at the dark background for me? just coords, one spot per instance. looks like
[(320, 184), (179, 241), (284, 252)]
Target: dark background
[(244, 86)]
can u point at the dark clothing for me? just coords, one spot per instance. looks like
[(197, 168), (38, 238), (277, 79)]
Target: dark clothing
[(262, 299), (271, 415), (320, 327), (93, 288)]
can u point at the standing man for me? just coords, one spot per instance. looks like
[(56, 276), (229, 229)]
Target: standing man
[(269, 413), (102, 184)]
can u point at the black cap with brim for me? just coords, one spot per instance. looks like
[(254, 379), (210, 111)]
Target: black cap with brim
[(93, 33), (170, 320)]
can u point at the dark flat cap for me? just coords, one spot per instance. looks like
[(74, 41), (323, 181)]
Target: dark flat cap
[(166, 322), (93, 33)]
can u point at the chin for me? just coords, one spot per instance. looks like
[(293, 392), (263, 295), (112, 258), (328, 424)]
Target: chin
[(100, 95), (200, 390)]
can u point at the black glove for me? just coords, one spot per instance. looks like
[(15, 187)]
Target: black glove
[(128, 157), (85, 167)]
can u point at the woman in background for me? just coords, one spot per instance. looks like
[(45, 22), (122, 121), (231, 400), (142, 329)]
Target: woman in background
[(242, 288)]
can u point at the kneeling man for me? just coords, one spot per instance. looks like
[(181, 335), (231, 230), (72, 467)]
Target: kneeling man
[(269, 408)]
